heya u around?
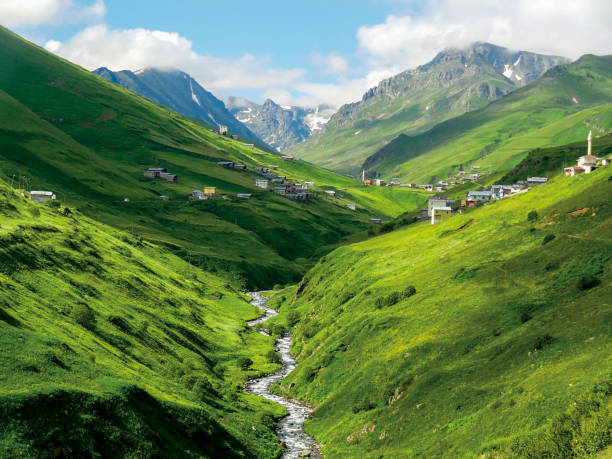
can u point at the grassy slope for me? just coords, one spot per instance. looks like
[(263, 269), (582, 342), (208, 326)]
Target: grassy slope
[(157, 373), (90, 140), (548, 162), (497, 340), (538, 115), (345, 148)]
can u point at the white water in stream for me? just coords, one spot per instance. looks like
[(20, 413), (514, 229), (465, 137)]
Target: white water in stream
[(290, 429)]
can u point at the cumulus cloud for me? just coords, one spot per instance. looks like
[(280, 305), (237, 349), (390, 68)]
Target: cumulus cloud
[(332, 63), (561, 27), (30, 13), (99, 45)]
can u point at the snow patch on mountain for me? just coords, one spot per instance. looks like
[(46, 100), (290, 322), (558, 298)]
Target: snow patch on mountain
[(193, 96), (507, 71), (517, 61)]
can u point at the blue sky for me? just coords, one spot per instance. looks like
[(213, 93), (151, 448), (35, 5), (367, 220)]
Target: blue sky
[(299, 52)]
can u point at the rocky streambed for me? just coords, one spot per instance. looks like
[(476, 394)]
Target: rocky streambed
[(290, 429)]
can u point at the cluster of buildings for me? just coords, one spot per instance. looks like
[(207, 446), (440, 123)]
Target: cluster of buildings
[(587, 163), (160, 173)]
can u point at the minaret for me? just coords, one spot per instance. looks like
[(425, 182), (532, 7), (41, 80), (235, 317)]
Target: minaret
[(589, 141), (363, 175)]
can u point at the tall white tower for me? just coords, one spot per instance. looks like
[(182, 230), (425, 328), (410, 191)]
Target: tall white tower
[(362, 175), (589, 142)]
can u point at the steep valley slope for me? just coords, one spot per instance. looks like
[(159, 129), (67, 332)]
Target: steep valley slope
[(487, 335), (456, 81), (560, 107), (112, 347), (90, 141)]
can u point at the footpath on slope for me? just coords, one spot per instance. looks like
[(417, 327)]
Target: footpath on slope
[(290, 429)]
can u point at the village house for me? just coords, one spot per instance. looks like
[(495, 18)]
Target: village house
[(367, 182), (197, 195), (475, 197), (309, 183), (439, 214), (394, 182), (295, 191), (279, 180), (378, 182), (210, 191), (377, 221), (439, 201), (252, 145), (226, 164), (531, 181), (234, 136), (42, 197), (288, 158), (244, 195), (240, 166), (473, 176), (273, 166), (330, 193), (263, 170), (222, 129), (351, 206), (163, 197), (160, 173), (261, 183)]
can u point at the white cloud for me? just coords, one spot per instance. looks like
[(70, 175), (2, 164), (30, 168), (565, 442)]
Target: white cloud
[(30, 13), (98, 46), (563, 27), (332, 63)]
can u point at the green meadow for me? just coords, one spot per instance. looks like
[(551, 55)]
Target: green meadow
[(560, 107), (488, 335), (89, 140)]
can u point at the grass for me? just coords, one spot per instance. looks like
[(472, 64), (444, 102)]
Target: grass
[(111, 346), (421, 102), (499, 136), (89, 140), (469, 338)]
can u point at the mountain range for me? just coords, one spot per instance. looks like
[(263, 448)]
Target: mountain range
[(280, 126), (560, 107), (180, 92), (454, 82)]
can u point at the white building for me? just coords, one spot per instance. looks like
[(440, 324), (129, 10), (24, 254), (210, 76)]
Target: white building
[(261, 183), (586, 163), (222, 129), (42, 196), (351, 206)]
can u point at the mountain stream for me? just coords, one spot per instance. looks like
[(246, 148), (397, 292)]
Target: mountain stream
[(290, 429)]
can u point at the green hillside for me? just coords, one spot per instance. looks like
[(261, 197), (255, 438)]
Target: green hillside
[(548, 162), (90, 141), (488, 335), (558, 108), (456, 81), (110, 346)]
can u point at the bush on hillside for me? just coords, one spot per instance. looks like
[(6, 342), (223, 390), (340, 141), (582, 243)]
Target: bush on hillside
[(549, 237), (273, 356), (202, 388), (244, 363), (587, 282), (293, 318), (85, 316), (395, 297), (532, 216)]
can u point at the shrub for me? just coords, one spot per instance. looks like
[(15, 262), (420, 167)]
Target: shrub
[(587, 282), (293, 318), (273, 356), (201, 388), (549, 237), (543, 341), (85, 317), (395, 297), (532, 216), (278, 329), (244, 363), (35, 212), (53, 203)]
